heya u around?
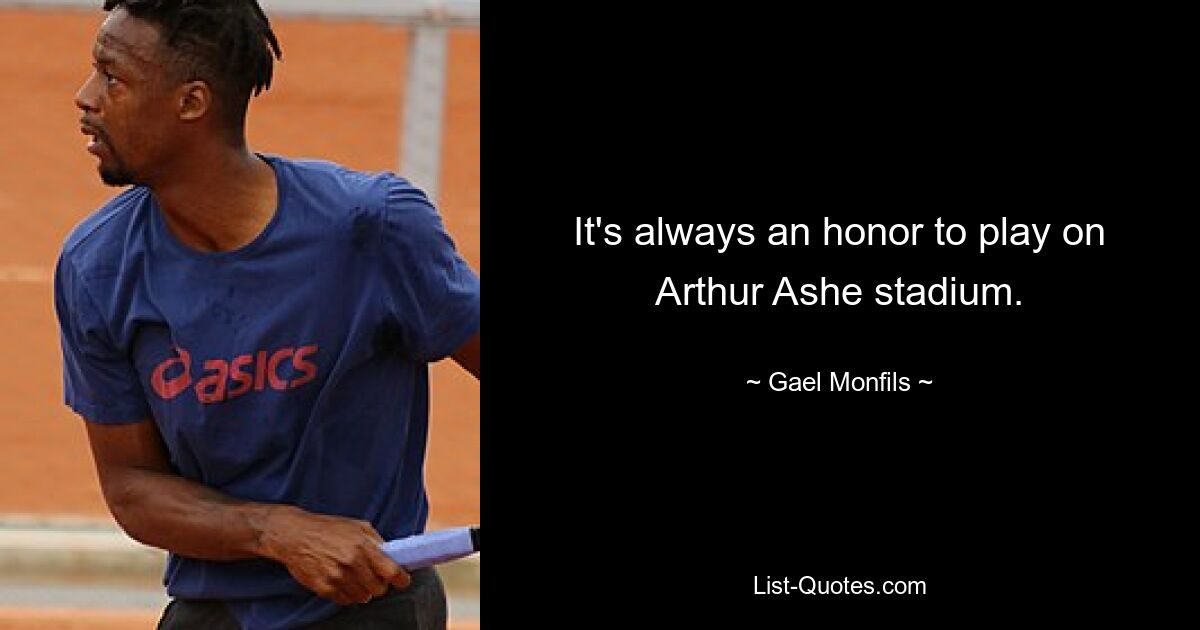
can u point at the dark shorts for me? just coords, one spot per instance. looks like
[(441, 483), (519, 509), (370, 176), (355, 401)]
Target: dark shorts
[(421, 606)]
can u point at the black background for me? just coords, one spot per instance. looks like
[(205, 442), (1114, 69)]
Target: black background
[(640, 481)]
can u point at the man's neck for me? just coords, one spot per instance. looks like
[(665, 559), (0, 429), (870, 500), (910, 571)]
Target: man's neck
[(221, 203)]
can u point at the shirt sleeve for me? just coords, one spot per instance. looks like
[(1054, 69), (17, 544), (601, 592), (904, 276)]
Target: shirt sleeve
[(99, 380), (432, 292)]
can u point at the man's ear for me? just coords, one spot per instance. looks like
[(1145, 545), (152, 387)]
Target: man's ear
[(195, 99)]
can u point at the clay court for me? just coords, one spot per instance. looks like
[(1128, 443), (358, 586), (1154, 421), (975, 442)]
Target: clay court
[(21, 619), (336, 96)]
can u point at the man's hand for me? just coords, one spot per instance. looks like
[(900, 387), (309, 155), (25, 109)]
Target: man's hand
[(335, 557)]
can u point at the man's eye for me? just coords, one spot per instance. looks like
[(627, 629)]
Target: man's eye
[(108, 78)]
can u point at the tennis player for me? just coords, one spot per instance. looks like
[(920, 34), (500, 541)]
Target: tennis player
[(247, 337)]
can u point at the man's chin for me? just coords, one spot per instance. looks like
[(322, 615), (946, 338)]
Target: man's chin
[(115, 178)]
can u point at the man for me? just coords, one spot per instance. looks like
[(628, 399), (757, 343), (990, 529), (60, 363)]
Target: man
[(247, 337)]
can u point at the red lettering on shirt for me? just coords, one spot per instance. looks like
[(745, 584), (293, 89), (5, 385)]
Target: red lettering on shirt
[(308, 367), (214, 385), (170, 389), (244, 380), (260, 368), (211, 388), (273, 365)]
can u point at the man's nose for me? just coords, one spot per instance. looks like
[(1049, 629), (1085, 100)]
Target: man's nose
[(85, 98)]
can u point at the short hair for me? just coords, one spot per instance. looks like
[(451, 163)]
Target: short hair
[(228, 44)]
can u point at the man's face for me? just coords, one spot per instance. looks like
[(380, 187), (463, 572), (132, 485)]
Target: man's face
[(127, 100)]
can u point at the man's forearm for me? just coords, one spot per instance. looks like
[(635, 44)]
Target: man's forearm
[(189, 519), (333, 556)]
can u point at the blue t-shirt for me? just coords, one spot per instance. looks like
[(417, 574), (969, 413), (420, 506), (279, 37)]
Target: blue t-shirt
[(292, 370)]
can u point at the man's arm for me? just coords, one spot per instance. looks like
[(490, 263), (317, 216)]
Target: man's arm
[(335, 557), (467, 355)]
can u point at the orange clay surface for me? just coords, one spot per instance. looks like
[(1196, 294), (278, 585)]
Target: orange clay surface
[(337, 96), (34, 619)]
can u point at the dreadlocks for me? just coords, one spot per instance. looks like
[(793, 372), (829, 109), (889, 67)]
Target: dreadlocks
[(228, 44)]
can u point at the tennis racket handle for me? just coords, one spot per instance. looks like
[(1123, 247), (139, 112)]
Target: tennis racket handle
[(430, 548)]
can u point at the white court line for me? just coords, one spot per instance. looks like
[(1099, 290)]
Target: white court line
[(26, 274)]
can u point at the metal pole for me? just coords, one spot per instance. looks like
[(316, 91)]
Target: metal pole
[(424, 101)]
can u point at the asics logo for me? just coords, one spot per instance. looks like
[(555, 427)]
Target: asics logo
[(225, 380)]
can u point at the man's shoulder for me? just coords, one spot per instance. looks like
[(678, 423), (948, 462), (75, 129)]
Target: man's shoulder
[(104, 227), (360, 188)]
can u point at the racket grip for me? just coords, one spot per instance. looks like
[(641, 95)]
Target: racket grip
[(430, 548)]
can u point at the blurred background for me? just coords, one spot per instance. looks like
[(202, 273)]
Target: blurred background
[(373, 84)]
